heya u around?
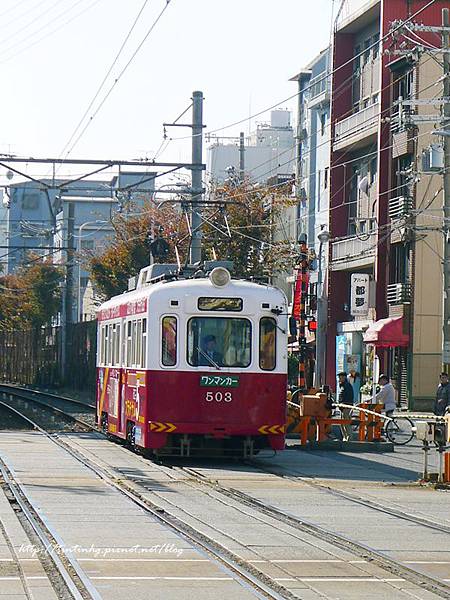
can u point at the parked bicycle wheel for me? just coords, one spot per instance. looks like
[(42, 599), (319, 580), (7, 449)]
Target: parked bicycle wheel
[(400, 430)]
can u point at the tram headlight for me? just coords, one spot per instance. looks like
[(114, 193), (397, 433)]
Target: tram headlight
[(220, 276)]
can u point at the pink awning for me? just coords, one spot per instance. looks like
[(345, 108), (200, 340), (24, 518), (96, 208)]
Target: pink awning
[(387, 333)]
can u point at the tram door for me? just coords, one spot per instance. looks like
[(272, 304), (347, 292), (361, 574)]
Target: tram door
[(115, 379)]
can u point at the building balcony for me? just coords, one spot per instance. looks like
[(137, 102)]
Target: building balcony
[(353, 251), (355, 129), (398, 293)]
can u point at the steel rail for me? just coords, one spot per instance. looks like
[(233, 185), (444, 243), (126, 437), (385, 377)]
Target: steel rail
[(54, 409), (249, 576), (361, 550), (45, 535), (362, 500), (339, 540), (10, 387)]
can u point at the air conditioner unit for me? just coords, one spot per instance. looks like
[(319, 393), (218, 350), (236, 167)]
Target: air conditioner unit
[(433, 158)]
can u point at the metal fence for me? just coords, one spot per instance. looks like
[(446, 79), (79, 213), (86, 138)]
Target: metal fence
[(33, 357)]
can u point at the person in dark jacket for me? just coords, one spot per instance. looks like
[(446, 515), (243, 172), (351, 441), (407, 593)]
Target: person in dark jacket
[(442, 396), (345, 396)]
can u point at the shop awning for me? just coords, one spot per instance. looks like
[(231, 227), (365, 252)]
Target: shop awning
[(387, 333)]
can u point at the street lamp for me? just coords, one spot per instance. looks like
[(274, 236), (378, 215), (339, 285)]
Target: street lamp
[(323, 237), (80, 237)]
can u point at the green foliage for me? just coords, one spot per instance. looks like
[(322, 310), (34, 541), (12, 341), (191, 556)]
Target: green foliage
[(30, 297), (129, 250), (246, 212), (252, 214)]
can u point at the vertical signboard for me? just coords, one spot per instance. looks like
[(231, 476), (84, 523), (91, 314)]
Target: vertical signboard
[(359, 300)]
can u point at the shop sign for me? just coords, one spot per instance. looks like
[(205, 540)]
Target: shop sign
[(359, 299)]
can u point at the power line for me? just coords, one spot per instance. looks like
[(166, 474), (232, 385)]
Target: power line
[(22, 14), (119, 77), (50, 33), (105, 78), (324, 78), (37, 18)]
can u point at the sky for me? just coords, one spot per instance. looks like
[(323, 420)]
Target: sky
[(54, 54)]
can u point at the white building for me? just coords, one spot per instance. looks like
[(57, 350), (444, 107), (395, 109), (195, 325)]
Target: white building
[(268, 152)]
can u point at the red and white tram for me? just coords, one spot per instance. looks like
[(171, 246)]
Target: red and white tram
[(190, 366)]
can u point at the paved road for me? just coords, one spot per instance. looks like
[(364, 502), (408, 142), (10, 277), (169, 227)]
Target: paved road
[(88, 513)]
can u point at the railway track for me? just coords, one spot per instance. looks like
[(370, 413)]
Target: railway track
[(251, 577), (136, 490), (359, 550), (72, 411), (360, 500), (67, 580)]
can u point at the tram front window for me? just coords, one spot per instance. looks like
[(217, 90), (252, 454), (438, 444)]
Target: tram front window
[(219, 342)]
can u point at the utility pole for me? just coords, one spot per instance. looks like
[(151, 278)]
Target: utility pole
[(241, 157), (446, 126), (196, 168), (299, 307), (67, 303)]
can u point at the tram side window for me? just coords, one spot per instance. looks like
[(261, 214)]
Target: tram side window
[(112, 337), (144, 343), (129, 326), (133, 344), (139, 343), (102, 346), (117, 358), (115, 345), (124, 346), (169, 341), (107, 346), (267, 343)]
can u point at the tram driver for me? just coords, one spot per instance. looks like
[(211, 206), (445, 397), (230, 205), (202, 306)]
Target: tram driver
[(209, 354)]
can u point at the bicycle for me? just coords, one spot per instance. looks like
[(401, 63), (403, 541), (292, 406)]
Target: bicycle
[(399, 430)]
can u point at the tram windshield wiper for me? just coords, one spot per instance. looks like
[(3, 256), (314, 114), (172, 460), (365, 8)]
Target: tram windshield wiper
[(209, 359)]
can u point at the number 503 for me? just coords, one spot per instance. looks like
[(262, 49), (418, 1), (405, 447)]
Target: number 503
[(218, 397)]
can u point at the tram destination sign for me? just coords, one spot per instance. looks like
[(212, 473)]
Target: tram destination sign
[(230, 381)]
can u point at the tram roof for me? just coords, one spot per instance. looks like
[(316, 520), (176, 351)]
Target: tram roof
[(203, 285)]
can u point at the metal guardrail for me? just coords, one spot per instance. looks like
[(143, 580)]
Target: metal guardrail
[(357, 123), (350, 247), (319, 84)]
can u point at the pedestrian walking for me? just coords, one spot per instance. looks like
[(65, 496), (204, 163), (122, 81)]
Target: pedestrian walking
[(345, 396), (442, 400), (386, 395), (354, 378)]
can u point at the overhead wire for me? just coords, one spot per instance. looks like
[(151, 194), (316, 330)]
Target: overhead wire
[(358, 158), (324, 78), (108, 73), (28, 11), (48, 33), (30, 23), (13, 7), (119, 77), (329, 124)]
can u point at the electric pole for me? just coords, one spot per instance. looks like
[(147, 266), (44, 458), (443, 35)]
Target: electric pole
[(241, 157), (196, 168), (446, 127), (67, 302)]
